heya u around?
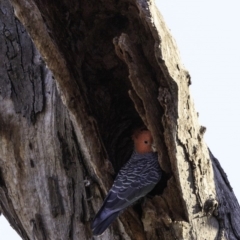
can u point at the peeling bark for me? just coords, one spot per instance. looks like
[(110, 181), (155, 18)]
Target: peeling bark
[(67, 112)]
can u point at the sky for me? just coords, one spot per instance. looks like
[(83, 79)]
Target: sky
[(208, 38)]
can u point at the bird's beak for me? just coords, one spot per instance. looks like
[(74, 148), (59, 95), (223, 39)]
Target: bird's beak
[(154, 148)]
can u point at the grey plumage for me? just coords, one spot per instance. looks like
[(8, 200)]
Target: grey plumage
[(135, 179)]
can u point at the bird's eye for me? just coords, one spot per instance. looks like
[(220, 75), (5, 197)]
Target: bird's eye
[(146, 142)]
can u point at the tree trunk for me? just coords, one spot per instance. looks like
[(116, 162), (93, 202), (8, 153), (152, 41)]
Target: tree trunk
[(65, 127)]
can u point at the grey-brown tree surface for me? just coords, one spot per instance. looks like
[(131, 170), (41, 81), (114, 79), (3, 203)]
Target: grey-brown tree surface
[(68, 105)]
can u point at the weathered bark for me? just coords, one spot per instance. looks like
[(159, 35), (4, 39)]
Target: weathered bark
[(115, 67)]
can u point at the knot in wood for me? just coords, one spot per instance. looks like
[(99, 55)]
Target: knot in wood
[(210, 207)]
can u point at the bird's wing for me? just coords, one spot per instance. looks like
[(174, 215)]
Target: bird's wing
[(135, 180)]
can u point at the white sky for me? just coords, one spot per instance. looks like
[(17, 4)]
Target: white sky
[(207, 34)]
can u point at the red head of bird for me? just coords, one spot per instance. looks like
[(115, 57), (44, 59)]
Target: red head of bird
[(143, 141)]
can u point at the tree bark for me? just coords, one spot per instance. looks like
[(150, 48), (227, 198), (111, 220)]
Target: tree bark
[(67, 112)]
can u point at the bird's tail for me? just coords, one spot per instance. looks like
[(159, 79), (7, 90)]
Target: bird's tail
[(102, 221)]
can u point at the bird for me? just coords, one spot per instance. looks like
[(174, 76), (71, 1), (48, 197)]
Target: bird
[(134, 180)]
